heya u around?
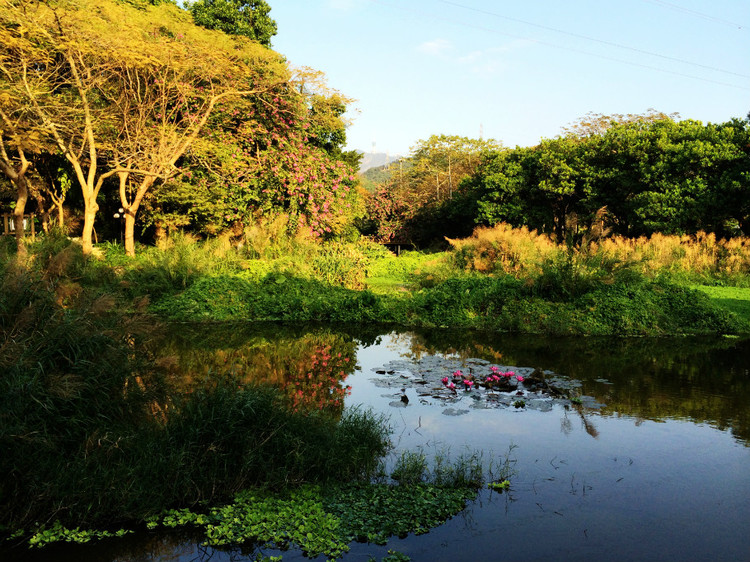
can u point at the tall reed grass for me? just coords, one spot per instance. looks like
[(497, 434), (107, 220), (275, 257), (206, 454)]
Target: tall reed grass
[(181, 259), (524, 253), (503, 249)]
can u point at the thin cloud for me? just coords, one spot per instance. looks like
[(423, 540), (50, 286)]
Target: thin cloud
[(494, 59), (436, 47)]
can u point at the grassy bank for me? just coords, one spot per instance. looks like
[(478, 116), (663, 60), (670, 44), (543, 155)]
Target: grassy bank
[(500, 280), (419, 290), (733, 299)]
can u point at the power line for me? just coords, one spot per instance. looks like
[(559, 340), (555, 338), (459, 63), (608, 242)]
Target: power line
[(588, 38), (701, 15), (563, 47)]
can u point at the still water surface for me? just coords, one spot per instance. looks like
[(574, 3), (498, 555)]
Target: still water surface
[(658, 470)]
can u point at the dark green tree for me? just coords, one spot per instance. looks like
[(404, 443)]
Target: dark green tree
[(652, 175), (236, 17)]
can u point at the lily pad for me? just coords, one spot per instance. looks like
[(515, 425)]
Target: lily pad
[(479, 384)]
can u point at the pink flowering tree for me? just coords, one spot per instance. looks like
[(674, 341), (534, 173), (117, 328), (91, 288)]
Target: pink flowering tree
[(264, 157)]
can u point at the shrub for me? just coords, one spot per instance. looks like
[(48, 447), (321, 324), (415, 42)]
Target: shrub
[(503, 249), (341, 264)]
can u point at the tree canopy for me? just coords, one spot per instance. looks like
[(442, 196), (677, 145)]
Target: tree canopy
[(236, 17), (121, 91), (419, 201), (650, 175)]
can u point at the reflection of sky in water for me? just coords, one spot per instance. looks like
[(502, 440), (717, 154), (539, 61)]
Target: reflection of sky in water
[(639, 490)]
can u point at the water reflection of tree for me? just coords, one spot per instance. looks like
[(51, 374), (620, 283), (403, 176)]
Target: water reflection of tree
[(699, 379), (310, 369)]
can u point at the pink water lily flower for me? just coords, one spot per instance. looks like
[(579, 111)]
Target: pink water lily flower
[(468, 384), (444, 380), (508, 374), (452, 386), (494, 369), (519, 378), (457, 374), (495, 378)]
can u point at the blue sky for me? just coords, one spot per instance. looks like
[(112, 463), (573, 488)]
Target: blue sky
[(517, 71)]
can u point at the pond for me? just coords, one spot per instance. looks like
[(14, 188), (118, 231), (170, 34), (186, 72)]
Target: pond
[(651, 461)]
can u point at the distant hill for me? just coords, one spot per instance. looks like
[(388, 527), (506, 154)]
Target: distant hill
[(376, 159)]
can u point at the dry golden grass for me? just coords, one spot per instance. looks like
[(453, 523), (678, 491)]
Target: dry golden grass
[(520, 252), (503, 249)]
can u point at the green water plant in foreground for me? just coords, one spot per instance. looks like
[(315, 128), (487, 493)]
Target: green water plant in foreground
[(58, 533), (323, 521), (499, 486), (316, 520)]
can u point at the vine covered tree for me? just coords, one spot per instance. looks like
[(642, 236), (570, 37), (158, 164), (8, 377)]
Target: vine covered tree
[(276, 154)]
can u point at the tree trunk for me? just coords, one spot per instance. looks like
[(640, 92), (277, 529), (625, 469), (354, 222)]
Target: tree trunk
[(160, 234), (132, 208), (130, 232), (60, 216), (21, 198), (89, 215), (43, 210), (17, 177)]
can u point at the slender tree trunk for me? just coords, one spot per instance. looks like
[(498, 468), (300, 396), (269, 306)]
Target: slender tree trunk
[(160, 233), (131, 209), (60, 215), (89, 216), (43, 210), (22, 196), (130, 233), (17, 176), (57, 202)]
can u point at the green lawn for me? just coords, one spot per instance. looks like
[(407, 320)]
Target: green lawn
[(734, 299)]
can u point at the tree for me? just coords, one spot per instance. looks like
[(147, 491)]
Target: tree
[(439, 163), (652, 175), (236, 17), (56, 185), (275, 154), (124, 92), (16, 169), (598, 123), (19, 137), (412, 203)]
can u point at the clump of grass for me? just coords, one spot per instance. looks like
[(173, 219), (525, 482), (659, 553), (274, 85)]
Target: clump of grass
[(410, 269), (277, 296), (341, 265), (503, 249), (411, 468), (269, 239), (178, 263)]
